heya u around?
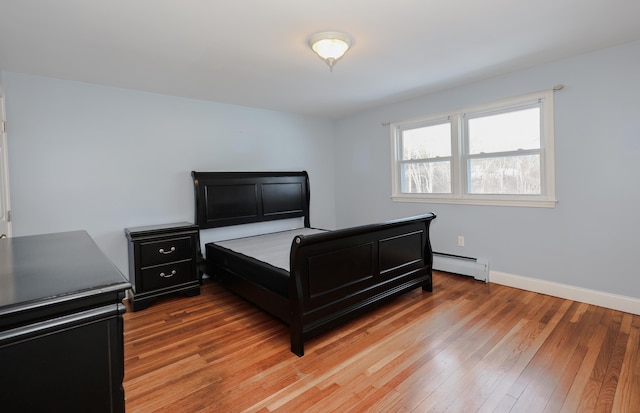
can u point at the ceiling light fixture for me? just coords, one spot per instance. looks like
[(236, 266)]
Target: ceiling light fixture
[(330, 46)]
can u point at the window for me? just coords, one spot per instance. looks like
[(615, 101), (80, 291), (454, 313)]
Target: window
[(495, 154), (426, 159)]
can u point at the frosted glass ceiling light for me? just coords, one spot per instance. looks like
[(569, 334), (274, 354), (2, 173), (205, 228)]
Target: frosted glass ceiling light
[(330, 46)]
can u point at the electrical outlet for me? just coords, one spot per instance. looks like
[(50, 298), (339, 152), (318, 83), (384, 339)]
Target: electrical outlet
[(460, 241)]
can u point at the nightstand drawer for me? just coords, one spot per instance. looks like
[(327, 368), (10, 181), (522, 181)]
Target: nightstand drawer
[(164, 251), (163, 276)]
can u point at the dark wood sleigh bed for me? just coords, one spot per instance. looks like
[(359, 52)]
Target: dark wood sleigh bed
[(333, 276)]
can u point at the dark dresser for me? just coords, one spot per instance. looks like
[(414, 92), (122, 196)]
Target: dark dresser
[(163, 260), (61, 327)]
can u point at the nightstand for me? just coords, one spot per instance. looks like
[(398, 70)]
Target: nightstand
[(163, 260)]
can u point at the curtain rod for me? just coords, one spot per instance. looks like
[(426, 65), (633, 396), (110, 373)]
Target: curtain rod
[(556, 88)]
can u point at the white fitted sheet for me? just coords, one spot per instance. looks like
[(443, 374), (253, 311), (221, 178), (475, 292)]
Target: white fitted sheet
[(273, 248)]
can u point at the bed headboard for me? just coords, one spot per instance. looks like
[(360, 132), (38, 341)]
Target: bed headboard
[(232, 198)]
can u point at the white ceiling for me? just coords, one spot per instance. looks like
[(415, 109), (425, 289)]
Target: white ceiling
[(255, 52)]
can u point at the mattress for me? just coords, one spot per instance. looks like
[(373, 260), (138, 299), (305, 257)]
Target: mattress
[(261, 259), (273, 248)]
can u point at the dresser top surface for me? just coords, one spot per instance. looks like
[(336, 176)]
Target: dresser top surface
[(40, 268)]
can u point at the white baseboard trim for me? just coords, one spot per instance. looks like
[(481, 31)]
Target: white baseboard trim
[(569, 292)]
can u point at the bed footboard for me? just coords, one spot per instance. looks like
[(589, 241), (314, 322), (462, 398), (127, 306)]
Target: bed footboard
[(341, 274)]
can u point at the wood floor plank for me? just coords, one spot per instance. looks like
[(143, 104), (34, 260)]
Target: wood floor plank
[(580, 383), (585, 325), (517, 348), (627, 390), (553, 370), (610, 324), (610, 380), (468, 346)]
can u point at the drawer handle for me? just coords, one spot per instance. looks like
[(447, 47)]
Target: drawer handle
[(163, 275), (162, 251)]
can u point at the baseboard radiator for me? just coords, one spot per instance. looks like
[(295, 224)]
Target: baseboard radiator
[(477, 268)]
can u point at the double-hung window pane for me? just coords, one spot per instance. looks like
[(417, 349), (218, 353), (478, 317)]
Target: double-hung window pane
[(500, 153), (504, 151), (425, 162)]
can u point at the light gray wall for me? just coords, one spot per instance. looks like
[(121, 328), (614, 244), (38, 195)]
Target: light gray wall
[(591, 239), (98, 158), (101, 159)]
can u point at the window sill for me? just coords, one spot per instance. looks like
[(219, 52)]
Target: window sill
[(531, 203)]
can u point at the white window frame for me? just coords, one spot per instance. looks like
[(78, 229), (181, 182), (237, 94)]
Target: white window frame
[(459, 144)]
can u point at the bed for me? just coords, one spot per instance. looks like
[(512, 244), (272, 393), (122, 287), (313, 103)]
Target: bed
[(313, 280)]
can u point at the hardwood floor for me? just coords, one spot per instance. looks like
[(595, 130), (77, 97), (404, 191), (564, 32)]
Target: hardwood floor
[(466, 347)]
